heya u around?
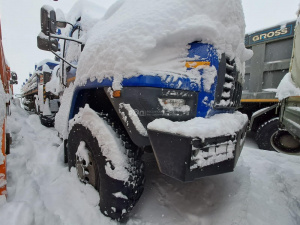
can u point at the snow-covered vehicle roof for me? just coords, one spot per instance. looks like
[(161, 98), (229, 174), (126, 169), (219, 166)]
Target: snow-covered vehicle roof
[(151, 37), (89, 12), (84, 14), (49, 62), (46, 65)]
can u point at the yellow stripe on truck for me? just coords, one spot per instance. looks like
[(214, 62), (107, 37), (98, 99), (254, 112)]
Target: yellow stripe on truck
[(259, 100), (195, 64)]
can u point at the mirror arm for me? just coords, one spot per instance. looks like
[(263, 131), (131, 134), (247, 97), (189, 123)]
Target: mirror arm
[(70, 24), (66, 23), (65, 38), (64, 60), (63, 67)]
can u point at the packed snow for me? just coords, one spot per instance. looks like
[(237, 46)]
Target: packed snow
[(54, 85), (215, 154), (134, 118), (152, 37), (83, 152), (263, 189), (217, 125), (62, 117), (84, 13), (111, 146), (46, 108)]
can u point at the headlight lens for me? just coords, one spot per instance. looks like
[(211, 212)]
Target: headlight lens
[(174, 105)]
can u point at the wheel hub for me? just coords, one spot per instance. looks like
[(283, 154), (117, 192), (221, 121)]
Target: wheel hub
[(282, 141), (86, 171)]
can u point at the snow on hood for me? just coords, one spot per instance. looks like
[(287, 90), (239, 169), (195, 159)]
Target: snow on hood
[(151, 37)]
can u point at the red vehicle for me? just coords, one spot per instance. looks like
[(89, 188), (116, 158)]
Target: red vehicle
[(5, 88)]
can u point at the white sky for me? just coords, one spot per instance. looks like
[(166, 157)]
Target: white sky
[(20, 22)]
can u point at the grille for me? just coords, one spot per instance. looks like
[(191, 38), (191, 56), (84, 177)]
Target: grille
[(229, 90)]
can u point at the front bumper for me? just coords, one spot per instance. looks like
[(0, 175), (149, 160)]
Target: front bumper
[(47, 121), (186, 158)]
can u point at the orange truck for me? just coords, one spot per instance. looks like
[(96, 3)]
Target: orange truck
[(7, 80)]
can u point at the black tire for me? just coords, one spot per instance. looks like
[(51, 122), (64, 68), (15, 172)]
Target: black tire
[(284, 142), (47, 121), (265, 133), (115, 207), (65, 151)]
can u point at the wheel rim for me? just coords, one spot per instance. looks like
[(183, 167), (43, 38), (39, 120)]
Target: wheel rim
[(86, 171), (282, 141)]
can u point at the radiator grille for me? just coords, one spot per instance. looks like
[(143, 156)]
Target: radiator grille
[(229, 89)]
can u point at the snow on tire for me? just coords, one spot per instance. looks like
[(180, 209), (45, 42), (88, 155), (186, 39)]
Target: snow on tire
[(88, 136), (265, 133)]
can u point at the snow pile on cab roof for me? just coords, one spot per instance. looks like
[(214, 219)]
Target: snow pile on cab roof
[(151, 37), (86, 14), (287, 88), (89, 13), (44, 62), (217, 125)]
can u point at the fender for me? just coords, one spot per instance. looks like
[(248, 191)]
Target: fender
[(259, 113)]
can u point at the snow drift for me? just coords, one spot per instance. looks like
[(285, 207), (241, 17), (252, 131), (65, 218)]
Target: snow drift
[(264, 189)]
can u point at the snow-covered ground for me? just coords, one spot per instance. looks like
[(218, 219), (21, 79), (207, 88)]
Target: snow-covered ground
[(264, 189)]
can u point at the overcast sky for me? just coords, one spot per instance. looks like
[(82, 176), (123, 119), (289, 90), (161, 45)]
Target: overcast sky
[(20, 21)]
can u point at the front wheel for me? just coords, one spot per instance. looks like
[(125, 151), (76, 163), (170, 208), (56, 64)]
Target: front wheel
[(265, 133), (105, 157)]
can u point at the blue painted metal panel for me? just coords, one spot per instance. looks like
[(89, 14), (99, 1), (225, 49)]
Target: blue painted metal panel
[(198, 52), (51, 65)]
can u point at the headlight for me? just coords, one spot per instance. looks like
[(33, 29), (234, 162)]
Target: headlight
[(174, 105)]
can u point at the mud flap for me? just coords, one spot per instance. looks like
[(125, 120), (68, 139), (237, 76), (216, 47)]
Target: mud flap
[(8, 143)]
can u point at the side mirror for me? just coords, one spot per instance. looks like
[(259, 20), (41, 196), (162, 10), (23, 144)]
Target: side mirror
[(46, 43), (60, 17), (14, 76), (48, 20)]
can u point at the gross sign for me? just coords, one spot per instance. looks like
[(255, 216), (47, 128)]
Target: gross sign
[(270, 34)]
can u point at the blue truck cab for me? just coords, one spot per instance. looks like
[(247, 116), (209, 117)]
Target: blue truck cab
[(45, 99), (143, 92), (143, 100)]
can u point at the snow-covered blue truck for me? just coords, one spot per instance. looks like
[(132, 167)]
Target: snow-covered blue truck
[(189, 119), (36, 98)]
